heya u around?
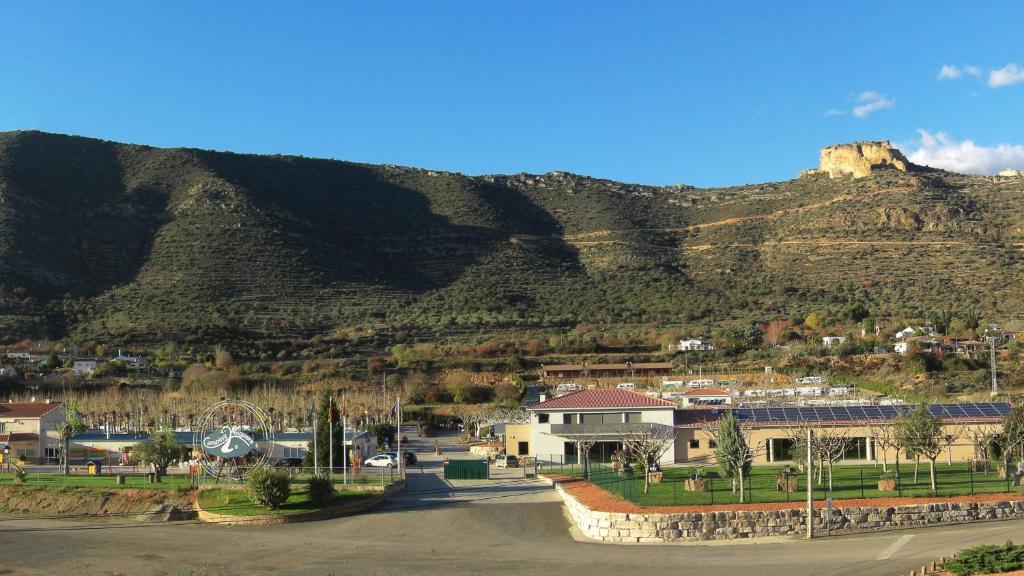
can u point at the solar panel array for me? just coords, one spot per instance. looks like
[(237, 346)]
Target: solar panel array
[(980, 410)]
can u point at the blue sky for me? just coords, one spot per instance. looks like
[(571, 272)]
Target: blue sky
[(652, 92)]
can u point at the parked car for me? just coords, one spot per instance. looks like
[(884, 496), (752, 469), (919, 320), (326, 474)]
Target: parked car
[(410, 457), (506, 461), (290, 463), (381, 461)]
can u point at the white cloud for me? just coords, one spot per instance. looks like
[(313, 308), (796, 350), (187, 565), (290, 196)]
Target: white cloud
[(1006, 76), (871, 102), (939, 150), (834, 112), (950, 72)]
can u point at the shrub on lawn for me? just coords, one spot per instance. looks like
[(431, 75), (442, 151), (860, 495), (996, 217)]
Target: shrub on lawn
[(987, 559), (268, 488), (320, 489)]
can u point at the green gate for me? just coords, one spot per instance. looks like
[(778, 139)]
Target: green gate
[(466, 470)]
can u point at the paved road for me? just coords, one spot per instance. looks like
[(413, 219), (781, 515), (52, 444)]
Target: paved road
[(508, 525)]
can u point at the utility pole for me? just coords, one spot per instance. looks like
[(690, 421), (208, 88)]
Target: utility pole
[(992, 363), (810, 487)]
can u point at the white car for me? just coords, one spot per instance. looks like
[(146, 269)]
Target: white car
[(381, 461)]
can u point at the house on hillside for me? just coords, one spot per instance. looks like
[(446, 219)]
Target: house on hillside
[(19, 356), (28, 429), (912, 331), (831, 341), (694, 345), (85, 366)]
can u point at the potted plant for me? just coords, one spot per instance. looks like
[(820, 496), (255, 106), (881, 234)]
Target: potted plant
[(696, 481), (887, 482), (655, 475)]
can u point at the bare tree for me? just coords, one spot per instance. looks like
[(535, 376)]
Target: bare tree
[(980, 437), (646, 444), (883, 435), (828, 445), (584, 441)]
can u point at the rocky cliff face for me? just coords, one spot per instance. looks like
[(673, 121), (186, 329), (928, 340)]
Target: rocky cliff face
[(859, 159)]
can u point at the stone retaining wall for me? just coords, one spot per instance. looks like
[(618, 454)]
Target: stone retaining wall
[(730, 524)]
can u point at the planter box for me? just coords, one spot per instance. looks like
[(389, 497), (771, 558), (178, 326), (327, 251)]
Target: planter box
[(692, 485), (887, 485), (655, 477), (788, 484)]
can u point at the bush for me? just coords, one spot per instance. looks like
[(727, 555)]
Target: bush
[(320, 489), (987, 559), (268, 488)]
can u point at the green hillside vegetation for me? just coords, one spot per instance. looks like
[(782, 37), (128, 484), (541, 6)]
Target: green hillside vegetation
[(109, 242)]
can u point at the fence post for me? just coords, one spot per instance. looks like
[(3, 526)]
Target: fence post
[(711, 489), (674, 488), (862, 483), (970, 468)]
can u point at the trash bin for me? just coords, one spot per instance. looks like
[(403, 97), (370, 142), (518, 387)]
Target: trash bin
[(95, 467)]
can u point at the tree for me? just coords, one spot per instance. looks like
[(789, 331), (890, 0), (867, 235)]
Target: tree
[(161, 450), (584, 442), (327, 417), (921, 434), (70, 425), (646, 444), (1011, 441), (828, 445), (883, 435), (733, 450)]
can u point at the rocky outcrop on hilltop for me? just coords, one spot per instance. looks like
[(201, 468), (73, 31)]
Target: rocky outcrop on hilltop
[(859, 159)]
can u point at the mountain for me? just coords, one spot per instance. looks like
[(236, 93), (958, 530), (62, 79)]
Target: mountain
[(128, 243)]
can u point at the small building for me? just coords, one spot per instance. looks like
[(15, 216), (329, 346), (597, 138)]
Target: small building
[(694, 345), (706, 397), (85, 366), (19, 356), (832, 341)]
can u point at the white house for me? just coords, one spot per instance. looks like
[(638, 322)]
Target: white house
[(911, 331), (901, 347), (19, 356), (694, 345), (830, 341), (603, 412), (85, 366)]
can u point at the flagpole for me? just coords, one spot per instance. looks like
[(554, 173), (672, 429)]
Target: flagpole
[(330, 434), (316, 424), (344, 443), (398, 417)]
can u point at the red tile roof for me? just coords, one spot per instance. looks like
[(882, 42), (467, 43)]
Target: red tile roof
[(708, 392), (27, 409), (602, 398)]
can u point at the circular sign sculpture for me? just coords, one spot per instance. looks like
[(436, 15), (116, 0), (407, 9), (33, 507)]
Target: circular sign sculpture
[(233, 438)]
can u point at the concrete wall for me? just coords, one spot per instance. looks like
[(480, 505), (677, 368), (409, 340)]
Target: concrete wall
[(729, 525), (516, 433)]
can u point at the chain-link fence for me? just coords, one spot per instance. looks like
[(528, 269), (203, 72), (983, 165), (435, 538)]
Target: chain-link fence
[(707, 485)]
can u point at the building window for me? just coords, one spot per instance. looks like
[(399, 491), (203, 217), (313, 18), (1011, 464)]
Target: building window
[(633, 417), (712, 444), (524, 448), (694, 444), (294, 452), (543, 418), (3, 426), (566, 418)]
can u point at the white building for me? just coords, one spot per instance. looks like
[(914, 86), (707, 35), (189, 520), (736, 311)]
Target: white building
[(830, 341), (694, 345), (85, 366), (605, 413), (901, 347), (706, 397)]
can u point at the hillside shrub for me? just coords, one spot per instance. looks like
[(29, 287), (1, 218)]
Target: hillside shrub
[(268, 488), (987, 559), (320, 489)]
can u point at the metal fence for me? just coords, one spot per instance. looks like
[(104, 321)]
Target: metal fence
[(682, 485)]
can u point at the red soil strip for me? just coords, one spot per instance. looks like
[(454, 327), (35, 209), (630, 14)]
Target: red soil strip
[(601, 500)]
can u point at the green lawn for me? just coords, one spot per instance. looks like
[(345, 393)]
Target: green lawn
[(235, 502), (849, 481), (105, 481)]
